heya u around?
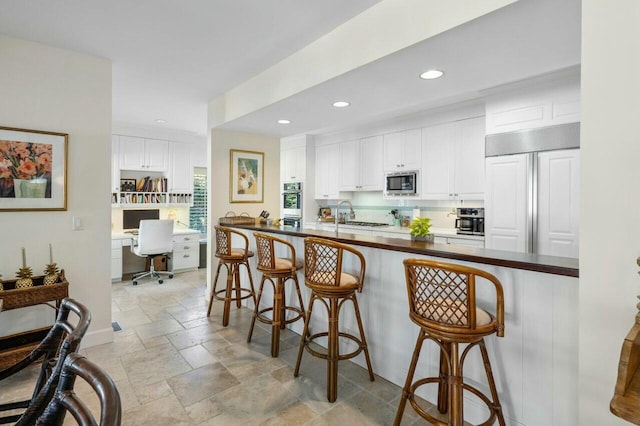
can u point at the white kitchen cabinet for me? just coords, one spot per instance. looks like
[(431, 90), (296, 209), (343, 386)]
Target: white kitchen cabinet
[(558, 203), (115, 164), (186, 252), (293, 164), (116, 260), (150, 155), (459, 241), (402, 150), (506, 203), (453, 160), (199, 155), (361, 164), (327, 172), (180, 175)]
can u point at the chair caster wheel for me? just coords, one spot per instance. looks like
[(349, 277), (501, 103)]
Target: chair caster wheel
[(170, 276), (160, 281), (135, 283)]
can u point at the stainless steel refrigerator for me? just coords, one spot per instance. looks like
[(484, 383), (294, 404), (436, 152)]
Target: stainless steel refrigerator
[(532, 193)]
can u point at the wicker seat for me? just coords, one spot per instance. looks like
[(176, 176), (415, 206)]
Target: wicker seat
[(281, 270), (332, 287), (442, 302), (232, 259), (63, 339), (66, 400)]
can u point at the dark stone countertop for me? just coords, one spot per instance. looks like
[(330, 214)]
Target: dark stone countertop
[(527, 261)]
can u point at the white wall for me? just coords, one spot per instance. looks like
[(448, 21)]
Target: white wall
[(218, 180), (45, 88), (610, 151)]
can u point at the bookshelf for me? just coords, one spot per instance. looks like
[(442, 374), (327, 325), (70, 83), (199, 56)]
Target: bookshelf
[(137, 190)]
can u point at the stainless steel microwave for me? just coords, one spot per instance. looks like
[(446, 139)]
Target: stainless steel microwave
[(401, 183)]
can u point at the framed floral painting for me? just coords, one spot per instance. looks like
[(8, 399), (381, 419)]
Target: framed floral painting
[(246, 176), (33, 170)]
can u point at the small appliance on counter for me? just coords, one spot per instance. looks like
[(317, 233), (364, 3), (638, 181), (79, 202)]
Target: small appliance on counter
[(470, 221)]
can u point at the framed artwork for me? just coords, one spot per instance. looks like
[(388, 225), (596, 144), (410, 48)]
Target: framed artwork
[(127, 185), (33, 170), (246, 176)]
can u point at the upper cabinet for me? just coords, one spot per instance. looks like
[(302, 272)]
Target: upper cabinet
[(453, 160), (402, 150), (180, 175), (115, 164), (361, 164), (549, 104), (326, 179), (143, 154), (293, 164)]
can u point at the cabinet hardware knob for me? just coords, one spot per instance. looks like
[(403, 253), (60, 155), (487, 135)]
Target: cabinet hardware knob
[(186, 255)]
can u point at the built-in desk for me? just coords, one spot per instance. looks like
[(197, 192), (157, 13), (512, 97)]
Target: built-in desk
[(186, 251)]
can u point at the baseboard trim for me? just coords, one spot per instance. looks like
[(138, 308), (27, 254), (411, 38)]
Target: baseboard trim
[(97, 337)]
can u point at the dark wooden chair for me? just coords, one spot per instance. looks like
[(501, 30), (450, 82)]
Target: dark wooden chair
[(323, 260), (281, 270), (63, 339), (66, 400), (232, 259), (442, 303)]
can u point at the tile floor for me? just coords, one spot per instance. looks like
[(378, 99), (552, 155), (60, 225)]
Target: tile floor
[(174, 366)]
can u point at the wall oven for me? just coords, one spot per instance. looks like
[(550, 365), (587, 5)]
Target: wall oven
[(291, 203), (401, 183)]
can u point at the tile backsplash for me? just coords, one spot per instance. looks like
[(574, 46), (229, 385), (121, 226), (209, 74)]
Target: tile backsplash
[(371, 207)]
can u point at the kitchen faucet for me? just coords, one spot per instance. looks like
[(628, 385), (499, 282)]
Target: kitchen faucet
[(352, 214)]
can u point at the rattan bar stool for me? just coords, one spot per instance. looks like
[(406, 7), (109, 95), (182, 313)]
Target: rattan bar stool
[(232, 259), (281, 270), (323, 260), (442, 301)]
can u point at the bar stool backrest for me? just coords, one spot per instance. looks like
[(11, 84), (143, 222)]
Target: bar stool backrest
[(442, 295), (323, 262), (223, 241), (266, 251)]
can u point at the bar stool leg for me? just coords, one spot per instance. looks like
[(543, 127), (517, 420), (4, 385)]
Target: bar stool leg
[(332, 352), (492, 384), (231, 272), (295, 279), (362, 338), (213, 288), (277, 317), (455, 391), (253, 289), (443, 387), (406, 391), (236, 280), (256, 308), (305, 333)]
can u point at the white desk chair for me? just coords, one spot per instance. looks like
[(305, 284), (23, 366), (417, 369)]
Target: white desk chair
[(155, 238)]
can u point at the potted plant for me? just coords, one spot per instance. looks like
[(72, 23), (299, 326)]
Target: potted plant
[(420, 227)]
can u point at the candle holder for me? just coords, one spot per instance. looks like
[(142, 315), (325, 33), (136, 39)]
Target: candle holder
[(51, 274), (24, 277)]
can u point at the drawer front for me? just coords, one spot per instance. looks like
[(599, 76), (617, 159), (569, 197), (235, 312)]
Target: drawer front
[(185, 260), (186, 238), (182, 247)]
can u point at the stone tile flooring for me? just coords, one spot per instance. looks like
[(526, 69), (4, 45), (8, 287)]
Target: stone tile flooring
[(175, 366)]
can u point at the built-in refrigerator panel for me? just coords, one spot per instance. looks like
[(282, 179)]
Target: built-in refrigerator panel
[(532, 191)]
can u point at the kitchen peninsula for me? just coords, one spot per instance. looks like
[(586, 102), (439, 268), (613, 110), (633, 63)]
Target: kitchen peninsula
[(535, 364)]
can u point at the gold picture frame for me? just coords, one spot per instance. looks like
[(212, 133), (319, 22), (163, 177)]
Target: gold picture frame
[(246, 176), (33, 170)]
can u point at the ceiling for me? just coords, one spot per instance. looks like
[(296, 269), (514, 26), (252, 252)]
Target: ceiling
[(169, 61)]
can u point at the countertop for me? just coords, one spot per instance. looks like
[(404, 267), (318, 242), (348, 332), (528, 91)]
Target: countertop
[(527, 261)]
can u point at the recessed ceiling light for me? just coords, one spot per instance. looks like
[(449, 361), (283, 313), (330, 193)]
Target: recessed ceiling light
[(160, 121), (341, 104), (431, 74), (284, 121)]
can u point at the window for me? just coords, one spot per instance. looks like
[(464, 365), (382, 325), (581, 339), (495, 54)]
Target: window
[(198, 212)]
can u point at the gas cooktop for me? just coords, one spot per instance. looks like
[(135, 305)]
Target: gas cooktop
[(357, 223)]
